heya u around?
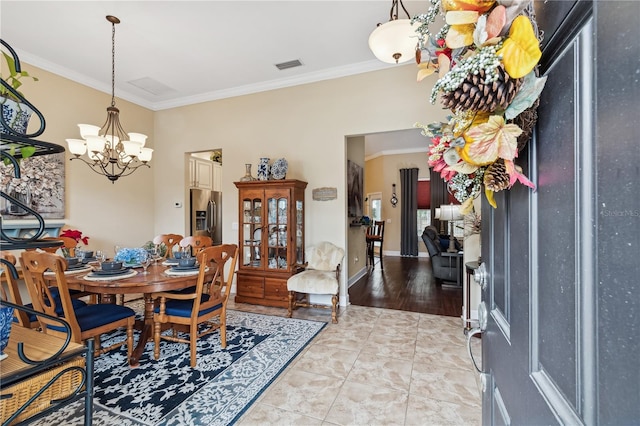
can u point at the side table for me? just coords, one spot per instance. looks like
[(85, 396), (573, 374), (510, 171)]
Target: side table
[(458, 259), (470, 267)]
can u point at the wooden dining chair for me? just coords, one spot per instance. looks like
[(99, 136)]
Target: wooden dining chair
[(86, 321), (185, 312), (9, 291), (169, 240), (67, 243), (197, 243), (375, 235)]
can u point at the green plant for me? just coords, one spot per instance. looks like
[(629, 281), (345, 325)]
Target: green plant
[(13, 79)]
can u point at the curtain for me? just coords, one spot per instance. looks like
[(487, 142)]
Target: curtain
[(409, 212)]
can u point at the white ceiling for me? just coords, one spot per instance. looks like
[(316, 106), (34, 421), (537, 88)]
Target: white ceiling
[(202, 50)]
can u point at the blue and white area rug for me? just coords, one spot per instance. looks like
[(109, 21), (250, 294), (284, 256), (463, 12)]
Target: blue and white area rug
[(217, 392)]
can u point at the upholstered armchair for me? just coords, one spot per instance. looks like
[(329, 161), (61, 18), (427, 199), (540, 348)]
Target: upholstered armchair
[(320, 276), (444, 269)]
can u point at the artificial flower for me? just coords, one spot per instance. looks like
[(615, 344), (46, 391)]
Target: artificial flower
[(477, 5), (521, 50), (460, 36), (492, 140), (515, 174), (76, 235), (528, 93)]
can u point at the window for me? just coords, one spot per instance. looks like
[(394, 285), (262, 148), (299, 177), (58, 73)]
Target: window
[(424, 220), (374, 205)]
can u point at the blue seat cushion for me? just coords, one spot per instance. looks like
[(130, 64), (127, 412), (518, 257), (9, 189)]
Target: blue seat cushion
[(93, 316), (77, 303), (183, 308)]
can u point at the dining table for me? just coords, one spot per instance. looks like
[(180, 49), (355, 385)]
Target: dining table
[(156, 280)]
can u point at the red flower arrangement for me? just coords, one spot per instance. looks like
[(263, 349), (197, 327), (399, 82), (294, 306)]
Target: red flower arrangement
[(76, 235)]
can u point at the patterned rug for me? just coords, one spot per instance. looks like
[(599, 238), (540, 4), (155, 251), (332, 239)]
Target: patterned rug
[(217, 392)]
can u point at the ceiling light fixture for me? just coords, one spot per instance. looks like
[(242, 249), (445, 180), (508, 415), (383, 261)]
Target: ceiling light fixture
[(110, 150), (394, 41)]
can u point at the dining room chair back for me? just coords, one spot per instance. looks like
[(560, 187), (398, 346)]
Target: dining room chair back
[(196, 242), (321, 275), (68, 243), (375, 235), (10, 291), (186, 312), (88, 321), (170, 241)]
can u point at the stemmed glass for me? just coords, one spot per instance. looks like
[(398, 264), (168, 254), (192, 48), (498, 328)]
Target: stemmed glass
[(100, 257), (146, 260)]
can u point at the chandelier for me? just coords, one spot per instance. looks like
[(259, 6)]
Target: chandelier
[(394, 41), (110, 150)]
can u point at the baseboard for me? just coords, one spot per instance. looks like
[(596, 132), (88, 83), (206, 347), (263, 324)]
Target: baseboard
[(361, 273)]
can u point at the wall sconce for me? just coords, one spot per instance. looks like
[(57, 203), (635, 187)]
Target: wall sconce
[(394, 198)]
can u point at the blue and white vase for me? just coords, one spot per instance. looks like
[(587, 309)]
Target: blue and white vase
[(6, 318), (263, 169), (279, 169), (15, 116)]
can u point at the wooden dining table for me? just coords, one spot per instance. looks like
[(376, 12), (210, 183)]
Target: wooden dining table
[(154, 282)]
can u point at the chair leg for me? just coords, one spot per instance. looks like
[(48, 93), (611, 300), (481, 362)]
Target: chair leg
[(223, 329), (381, 263), (334, 307), (193, 342), (292, 296), (156, 340), (130, 337)]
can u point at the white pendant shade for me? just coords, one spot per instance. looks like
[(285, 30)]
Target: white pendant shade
[(95, 143), (88, 130), (138, 137), (132, 148), (396, 37), (145, 154), (77, 146)]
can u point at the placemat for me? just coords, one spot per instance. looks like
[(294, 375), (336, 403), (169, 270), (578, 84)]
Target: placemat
[(91, 277), (182, 273), (71, 271)]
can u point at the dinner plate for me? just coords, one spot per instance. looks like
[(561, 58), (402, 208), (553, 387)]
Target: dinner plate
[(114, 272), (88, 259), (132, 265), (171, 261), (76, 266), (185, 268)]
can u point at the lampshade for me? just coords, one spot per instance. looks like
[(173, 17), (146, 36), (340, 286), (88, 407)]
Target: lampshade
[(450, 212), (394, 42), (436, 214)]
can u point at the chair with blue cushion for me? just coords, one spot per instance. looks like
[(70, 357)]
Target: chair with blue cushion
[(9, 291), (89, 321), (185, 312), (169, 241)]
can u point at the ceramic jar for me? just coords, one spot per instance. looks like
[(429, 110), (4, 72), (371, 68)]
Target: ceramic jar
[(263, 169)]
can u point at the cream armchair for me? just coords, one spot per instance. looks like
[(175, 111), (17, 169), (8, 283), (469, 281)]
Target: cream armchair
[(321, 276)]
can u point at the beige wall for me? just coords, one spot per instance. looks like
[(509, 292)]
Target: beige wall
[(380, 174), (355, 260), (306, 124)]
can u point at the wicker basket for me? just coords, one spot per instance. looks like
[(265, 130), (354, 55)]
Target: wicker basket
[(20, 392)]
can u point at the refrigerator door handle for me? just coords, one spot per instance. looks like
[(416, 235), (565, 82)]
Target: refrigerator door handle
[(212, 219)]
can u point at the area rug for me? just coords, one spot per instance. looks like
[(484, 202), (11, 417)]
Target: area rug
[(217, 392)]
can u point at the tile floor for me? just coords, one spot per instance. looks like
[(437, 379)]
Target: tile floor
[(375, 367)]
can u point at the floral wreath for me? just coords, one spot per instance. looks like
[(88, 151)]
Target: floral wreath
[(486, 57)]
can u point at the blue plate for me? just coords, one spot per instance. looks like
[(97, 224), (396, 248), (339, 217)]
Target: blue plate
[(114, 272), (132, 265), (76, 266), (172, 261), (88, 259), (185, 268)]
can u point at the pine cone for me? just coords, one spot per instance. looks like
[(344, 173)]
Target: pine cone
[(496, 177), (474, 94), (526, 120)]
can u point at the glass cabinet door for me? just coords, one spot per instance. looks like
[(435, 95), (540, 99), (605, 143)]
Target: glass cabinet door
[(277, 210), (251, 231), (299, 232)]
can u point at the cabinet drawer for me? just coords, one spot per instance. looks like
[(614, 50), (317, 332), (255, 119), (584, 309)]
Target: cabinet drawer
[(275, 289), (250, 286)]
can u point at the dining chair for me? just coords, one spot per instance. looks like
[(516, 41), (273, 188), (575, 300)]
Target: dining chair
[(185, 312), (169, 240), (67, 243), (375, 235), (86, 321), (196, 242), (320, 276), (9, 291)]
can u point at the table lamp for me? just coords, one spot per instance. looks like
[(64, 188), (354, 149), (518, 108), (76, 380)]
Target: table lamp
[(450, 213)]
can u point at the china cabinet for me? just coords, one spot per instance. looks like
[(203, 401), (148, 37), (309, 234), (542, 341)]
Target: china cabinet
[(271, 238)]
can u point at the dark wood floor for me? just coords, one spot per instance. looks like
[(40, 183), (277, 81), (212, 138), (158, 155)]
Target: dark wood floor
[(406, 284)]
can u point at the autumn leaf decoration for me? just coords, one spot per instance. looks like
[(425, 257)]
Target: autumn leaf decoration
[(485, 57)]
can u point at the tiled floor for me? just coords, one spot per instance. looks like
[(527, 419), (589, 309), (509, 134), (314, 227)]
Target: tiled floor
[(375, 367)]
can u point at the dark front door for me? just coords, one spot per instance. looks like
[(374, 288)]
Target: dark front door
[(561, 294)]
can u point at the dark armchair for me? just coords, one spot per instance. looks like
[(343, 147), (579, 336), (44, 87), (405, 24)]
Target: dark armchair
[(444, 268)]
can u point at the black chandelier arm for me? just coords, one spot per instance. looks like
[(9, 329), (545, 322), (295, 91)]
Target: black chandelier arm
[(394, 5), (32, 212), (102, 169)]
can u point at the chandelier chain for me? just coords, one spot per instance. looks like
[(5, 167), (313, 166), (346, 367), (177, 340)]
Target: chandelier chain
[(113, 64), (395, 5)]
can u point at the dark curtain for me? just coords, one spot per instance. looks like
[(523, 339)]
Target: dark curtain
[(409, 212), (439, 195)]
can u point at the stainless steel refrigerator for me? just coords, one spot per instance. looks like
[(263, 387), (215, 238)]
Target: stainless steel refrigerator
[(206, 214)]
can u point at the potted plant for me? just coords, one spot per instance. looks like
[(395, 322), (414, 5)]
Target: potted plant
[(15, 113)]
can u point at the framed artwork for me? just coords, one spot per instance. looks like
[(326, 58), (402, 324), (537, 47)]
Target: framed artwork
[(355, 185), (41, 186)]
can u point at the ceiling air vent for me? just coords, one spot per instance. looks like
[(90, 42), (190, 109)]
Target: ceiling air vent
[(290, 64)]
